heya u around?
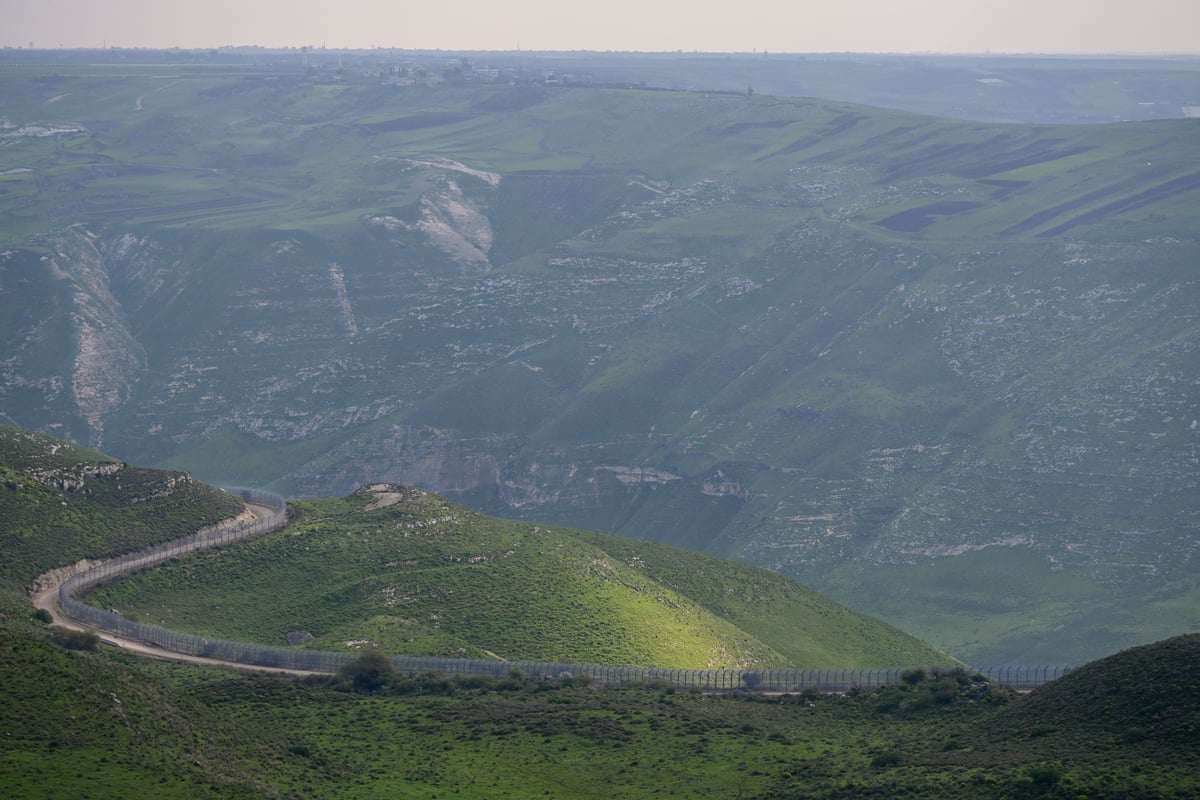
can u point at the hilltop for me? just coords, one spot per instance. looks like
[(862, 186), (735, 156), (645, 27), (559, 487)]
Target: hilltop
[(940, 370), (409, 573)]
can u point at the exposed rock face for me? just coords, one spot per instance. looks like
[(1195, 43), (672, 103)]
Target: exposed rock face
[(144, 275), (456, 225), (450, 220), (107, 358), (444, 462)]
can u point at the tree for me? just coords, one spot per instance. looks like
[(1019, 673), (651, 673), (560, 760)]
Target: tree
[(368, 673), (75, 640)]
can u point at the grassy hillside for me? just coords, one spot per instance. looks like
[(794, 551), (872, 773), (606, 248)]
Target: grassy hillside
[(892, 356), (932, 737), (412, 574), (1149, 695), (79, 725), (60, 503)]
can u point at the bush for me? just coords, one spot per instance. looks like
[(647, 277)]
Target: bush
[(1045, 775), (368, 673), (43, 616), (478, 683), (888, 758), (945, 690), (76, 640)]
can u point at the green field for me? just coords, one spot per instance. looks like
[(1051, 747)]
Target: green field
[(164, 730)]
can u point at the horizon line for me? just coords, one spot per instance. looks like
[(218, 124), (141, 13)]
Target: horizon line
[(753, 52)]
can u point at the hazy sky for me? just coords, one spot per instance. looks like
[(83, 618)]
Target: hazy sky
[(798, 26)]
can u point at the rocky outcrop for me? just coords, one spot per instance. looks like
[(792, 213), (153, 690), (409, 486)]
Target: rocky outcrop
[(73, 479), (456, 225)]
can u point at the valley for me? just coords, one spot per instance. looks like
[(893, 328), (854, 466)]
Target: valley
[(942, 370)]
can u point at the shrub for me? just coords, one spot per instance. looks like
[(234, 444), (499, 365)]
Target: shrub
[(888, 758), (478, 682), (1045, 775), (76, 640), (43, 616), (368, 673), (583, 681), (946, 690)]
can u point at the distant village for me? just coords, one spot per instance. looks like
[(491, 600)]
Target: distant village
[(432, 69), (430, 72)]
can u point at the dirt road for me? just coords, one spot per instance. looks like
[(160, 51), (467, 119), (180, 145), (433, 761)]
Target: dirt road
[(46, 597)]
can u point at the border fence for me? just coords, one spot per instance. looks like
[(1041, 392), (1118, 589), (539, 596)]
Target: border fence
[(296, 658)]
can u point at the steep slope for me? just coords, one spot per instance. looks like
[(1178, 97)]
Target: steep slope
[(941, 370), (60, 503), (407, 572)]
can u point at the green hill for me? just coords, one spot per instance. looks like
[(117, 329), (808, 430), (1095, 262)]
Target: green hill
[(74, 724), (410, 573), (1147, 696), (60, 503)]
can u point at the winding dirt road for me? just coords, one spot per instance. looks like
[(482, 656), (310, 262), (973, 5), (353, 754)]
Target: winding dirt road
[(45, 596)]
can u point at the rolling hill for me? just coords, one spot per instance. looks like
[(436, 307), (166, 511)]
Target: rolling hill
[(941, 370), (408, 573)]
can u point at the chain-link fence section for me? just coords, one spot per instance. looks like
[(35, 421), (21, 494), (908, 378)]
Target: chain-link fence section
[(296, 658)]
